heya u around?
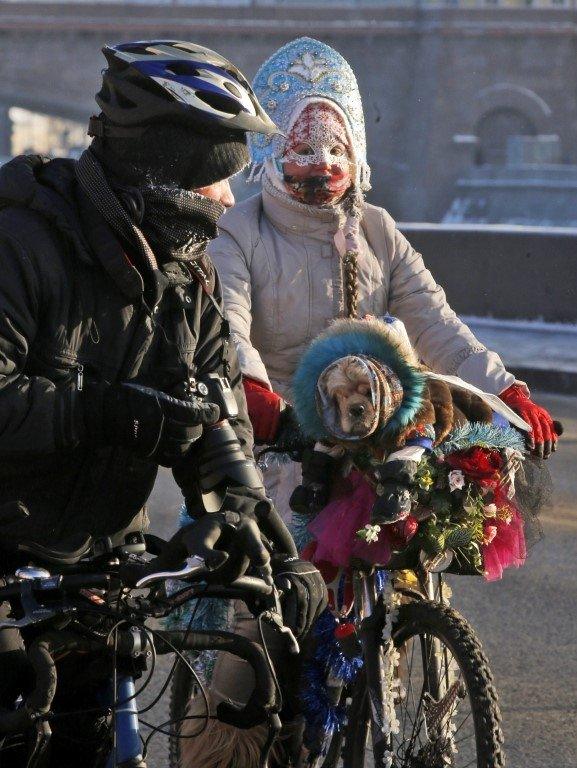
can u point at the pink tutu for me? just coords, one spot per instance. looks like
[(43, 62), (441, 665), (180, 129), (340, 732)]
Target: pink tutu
[(506, 549), (336, 526), (336, 543)]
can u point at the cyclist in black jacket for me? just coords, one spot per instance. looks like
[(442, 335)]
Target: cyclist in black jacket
[(112, 333)]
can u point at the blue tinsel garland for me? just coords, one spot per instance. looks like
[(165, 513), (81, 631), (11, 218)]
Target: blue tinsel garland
[(208, 612), (299, 529), (322, 716), (483, 435)]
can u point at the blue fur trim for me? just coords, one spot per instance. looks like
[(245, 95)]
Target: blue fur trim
[(482, 435), (328, 348)]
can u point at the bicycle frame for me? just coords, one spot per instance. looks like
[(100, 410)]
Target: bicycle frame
[(44, 597), (126, 746)]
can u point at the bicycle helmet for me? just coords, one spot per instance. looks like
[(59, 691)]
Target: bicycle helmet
[(164, 81)]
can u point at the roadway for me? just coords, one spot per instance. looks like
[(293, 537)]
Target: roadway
[(527, 622)]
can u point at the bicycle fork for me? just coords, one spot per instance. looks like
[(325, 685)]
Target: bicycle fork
[(375, 640)]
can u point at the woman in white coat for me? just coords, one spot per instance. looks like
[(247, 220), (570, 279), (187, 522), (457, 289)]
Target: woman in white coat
[(309, 248), (304, 251)]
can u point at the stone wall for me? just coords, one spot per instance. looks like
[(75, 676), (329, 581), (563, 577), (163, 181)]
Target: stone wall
[(428, 74), (499, 271)]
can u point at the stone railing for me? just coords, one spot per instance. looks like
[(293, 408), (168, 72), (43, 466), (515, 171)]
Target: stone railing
[(310, 4)]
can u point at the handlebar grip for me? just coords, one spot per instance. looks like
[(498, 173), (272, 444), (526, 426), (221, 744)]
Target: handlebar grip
[(78, 581), (250, 715), (262, 700)]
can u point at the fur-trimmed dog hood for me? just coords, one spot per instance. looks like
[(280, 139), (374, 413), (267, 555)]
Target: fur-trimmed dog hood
[(382, 341)]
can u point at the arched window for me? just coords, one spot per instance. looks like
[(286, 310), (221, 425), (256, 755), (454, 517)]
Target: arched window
[(493, 130)]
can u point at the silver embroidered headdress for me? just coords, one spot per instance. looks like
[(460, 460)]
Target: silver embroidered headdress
[(304, 70)]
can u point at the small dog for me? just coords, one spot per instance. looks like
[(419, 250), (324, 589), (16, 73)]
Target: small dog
[(356, 389), (348, 384)]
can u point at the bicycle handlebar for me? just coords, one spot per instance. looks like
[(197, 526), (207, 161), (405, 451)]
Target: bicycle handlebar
[(262, 700)]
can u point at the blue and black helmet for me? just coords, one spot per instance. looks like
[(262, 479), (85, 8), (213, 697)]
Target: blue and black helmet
[(163, 81)]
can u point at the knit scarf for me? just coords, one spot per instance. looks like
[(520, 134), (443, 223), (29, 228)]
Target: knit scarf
[(162, 224)]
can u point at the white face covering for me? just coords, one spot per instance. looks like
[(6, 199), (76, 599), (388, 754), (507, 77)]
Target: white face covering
[(320, 128), (318, 141)]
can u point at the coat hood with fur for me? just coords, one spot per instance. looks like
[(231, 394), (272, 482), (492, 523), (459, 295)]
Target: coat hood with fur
[(376, 339)]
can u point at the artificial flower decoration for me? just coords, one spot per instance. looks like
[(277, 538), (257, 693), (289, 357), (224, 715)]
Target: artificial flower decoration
[(456, 480), (370, 533)]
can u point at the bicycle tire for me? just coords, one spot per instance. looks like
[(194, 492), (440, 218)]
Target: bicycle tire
[(455, 632), (182, 688)]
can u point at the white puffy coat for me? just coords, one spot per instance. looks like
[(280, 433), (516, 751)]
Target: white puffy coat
[(282, 283)]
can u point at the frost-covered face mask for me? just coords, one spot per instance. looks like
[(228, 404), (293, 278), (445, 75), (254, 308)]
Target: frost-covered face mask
[(317, 159)]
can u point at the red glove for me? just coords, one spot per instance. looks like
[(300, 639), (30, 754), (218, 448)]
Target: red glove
[(544, 431), (264, 409)]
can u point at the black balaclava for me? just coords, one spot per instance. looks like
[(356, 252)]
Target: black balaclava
[(172, 156), (153, 176)]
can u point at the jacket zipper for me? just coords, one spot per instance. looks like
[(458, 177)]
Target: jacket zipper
[(79, 377)]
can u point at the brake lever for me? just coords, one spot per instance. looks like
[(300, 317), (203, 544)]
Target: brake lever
[(35, 612), (193, 566), (274, 617)]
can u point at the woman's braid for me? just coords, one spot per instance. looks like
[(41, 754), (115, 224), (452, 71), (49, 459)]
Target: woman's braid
[(353, 206), (351, 283)]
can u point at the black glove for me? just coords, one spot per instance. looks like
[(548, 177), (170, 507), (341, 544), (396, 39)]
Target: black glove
[(394, 500), (228, 543), (149, 422), (318, 471), (304, 592), (289, 437)]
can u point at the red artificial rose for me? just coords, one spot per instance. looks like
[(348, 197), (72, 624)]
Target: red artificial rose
[(479, 465), (402, 532)]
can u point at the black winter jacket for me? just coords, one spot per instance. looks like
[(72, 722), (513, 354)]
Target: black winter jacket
[(73, 309)]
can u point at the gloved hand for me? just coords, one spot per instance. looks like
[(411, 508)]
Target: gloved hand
[(318, 470), (147, 421), (264, 408), (544, 431), (289, 437), (227, 542), (304, 592)]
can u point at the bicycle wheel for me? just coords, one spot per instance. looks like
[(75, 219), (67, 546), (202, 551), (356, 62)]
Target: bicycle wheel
[(446, 703), (182, 689)]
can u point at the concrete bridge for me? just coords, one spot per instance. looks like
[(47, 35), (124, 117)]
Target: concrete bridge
[(443, 86)]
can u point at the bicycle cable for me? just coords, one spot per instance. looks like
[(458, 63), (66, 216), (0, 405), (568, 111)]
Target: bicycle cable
[(206, 717), (269, 662), (170, 674)]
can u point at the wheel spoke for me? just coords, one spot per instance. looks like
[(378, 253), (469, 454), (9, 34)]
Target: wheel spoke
[(470, 736), (463, 723), (437, 668)]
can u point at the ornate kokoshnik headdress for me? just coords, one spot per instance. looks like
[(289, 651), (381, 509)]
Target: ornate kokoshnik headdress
[(299, 72)]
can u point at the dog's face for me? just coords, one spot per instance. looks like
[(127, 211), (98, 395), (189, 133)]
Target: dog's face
[(349, 386)]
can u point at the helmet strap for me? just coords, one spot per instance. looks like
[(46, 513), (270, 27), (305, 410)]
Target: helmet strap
[(100, 129)]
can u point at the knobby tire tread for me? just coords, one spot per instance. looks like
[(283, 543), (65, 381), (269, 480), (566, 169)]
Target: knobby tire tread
[(450, 627), (181, 689)]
